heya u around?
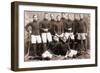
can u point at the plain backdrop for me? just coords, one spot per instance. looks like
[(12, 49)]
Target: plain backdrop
[(5, 36)]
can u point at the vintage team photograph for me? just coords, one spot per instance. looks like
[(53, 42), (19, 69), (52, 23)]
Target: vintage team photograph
[(53, 36), (56, 36)]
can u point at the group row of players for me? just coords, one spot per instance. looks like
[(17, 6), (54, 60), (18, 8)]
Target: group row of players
[(59, 35)]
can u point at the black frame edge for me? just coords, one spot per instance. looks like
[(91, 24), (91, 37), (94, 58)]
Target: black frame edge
[(55, 4), (56, 67), (96, 38), (14, 36)]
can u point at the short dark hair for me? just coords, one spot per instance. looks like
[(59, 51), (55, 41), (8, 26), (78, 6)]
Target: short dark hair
[(34, 15), (57, 16), (51, 15)]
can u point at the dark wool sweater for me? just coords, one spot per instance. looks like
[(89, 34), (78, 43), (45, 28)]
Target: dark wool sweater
[(52, 24), (68, 26), (59, 27), (45, 24), (80, 26), (35, 27)]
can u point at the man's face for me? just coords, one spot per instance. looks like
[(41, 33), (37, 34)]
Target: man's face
[(58, 18), (63, 15), (46, 16), (66, 16), (81, 16), (35, 18), (71, 16), (77, 16), (52, 16)]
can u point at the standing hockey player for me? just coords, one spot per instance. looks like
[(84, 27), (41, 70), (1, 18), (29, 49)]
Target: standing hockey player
[(45, 34), (35, 35), (82, 33)]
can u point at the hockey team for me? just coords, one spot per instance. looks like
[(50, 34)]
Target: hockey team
[(62, 35)]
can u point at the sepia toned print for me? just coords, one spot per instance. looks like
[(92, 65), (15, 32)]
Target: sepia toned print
[(56, 36), (53, 36)]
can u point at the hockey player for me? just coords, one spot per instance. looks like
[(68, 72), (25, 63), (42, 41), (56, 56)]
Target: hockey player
[(45, 34), (82, 33), (58, 37), (68, 29), (69, 36), (35, 35)]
